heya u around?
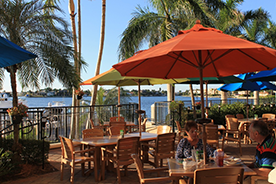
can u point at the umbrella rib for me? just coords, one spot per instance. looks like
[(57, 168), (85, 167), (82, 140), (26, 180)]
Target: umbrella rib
[(214, 66), (227, 52), (172, 65), (135, 66), (186, 62), (253, 58)]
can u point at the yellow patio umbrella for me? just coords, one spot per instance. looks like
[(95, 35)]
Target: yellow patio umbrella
[(113, 77)]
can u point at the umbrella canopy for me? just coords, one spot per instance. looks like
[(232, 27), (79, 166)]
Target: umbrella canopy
[(213, 80), (113, 77), (247, 84), (11, 54), (267, 75), (199, 52)]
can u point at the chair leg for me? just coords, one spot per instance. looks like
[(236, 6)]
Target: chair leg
[(118, 174), (72, 173), (61, 171)]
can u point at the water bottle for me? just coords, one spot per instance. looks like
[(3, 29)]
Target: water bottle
[(122, 133)]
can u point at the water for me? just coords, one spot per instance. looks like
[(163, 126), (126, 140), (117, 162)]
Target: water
[(146, 102)]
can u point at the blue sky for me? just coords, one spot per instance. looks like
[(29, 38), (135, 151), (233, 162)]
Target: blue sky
[(118, 13)]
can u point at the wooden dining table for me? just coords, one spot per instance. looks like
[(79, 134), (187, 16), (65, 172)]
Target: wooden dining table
[(104, 141), (176, 168)]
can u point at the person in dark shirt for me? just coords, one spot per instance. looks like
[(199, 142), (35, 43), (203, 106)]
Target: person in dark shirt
[(185, 146)]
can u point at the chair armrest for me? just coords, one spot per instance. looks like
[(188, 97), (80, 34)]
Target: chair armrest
[(145, 180), (84, 151)]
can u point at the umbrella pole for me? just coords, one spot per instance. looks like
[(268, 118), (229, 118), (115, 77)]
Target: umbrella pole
[(119, 101), (202, 114), (139, 107), (247, 104)]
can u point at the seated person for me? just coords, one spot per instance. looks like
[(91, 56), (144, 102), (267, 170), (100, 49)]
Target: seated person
[(265, 150), (185, 146)]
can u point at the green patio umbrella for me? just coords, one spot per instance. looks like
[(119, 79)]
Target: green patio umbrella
[(113, 77)]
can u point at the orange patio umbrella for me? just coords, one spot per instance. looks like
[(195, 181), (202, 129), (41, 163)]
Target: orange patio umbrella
[(199, 52)]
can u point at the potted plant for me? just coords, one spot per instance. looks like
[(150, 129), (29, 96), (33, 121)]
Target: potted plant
[(17, 113), (79, 94), (198, 105)]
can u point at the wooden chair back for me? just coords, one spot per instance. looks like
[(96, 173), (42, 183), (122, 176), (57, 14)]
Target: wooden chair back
[(116, 118), (269, 116), (140, 171), (67, 148), (212, 135), (115, 130), (71, 157), (143, 125), (95, 132), (227, 117), (162, 129), (117, 123), (226, 175), (126, 147), (240, 116), (165, 144), (271, 127), (232, 124)]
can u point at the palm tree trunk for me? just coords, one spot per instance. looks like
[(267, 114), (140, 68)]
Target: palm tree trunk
[(16, 146), (76, 62), (95, 87), (193, 100)]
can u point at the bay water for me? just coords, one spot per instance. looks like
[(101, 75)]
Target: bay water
[(146, 102)]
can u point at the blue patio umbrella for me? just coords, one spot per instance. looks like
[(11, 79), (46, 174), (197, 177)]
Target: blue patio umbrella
[(267, 75), (11, 53), (248, 85)]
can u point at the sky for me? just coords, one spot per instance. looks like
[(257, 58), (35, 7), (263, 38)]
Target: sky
[(118, 14)]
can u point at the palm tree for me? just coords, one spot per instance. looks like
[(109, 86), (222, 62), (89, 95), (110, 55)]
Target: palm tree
[(25, 24)]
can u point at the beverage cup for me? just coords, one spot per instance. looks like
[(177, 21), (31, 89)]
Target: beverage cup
[(185, 163), (220, 158)]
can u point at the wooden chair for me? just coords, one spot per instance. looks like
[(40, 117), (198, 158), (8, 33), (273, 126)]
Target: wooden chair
[(162, 129), (232, 128), (164, 147), (240, 116), (212, 135), (226, 175), (69, 156), (269, 116), (86, 133), (244, 129), (121, 155), (115, 130), (181, 131), (271, 127), (116, 118), (143, 125), (141, 172)]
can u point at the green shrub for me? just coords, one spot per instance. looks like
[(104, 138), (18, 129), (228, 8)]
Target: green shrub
[(31, 150), (6, 165)]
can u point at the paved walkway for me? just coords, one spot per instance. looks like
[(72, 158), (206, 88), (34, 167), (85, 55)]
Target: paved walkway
[(131, 178)]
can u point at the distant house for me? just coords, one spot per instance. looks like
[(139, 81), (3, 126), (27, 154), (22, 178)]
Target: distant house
[(51, 93), (263, 93)]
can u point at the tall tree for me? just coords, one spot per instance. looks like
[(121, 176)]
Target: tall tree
[(27, 25), (97, 71)]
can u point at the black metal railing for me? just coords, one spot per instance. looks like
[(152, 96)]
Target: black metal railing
[(50, 122)]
